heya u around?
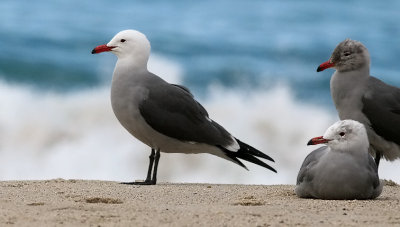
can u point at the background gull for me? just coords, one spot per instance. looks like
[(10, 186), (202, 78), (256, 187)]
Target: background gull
[(364, 98)]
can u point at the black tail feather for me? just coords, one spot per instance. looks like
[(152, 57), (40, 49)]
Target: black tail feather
[(251, 150), (248, 153), (234, 158)]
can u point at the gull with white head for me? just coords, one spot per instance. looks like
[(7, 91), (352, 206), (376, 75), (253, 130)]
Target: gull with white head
[(165, 116), (364, 98), (341, 170)]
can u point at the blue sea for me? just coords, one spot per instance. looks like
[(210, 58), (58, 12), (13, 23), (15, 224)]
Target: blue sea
[(252, 64)]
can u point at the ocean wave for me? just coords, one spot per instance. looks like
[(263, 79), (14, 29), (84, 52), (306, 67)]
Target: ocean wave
[(44, 134)]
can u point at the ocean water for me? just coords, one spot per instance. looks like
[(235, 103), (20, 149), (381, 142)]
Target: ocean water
[(251, 64)]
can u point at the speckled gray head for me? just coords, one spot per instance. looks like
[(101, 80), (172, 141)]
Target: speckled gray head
[(349, 55), (345, 135)]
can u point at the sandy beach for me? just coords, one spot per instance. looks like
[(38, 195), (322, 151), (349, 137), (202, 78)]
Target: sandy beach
[(62, 202)]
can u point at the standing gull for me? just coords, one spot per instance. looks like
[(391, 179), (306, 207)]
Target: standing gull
[(364, 98), (341, 170), (165, 116)]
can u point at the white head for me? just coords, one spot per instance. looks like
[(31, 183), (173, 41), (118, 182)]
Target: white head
[(128, 44), (346, 135), (348, 55)]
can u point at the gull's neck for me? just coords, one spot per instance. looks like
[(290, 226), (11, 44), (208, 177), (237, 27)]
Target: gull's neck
[(348, 83), (350, 79), (129, 67), (347, 89)]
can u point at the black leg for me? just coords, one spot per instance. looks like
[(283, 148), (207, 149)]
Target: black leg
[(157, 158), (151, 157), (377, 158), (154, 158)]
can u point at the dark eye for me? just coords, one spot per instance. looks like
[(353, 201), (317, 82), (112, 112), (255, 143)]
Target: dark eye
[(123, 40), (346, 53), (342, 134)]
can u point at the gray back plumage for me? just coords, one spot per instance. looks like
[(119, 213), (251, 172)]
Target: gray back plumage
[(171, 110), (381, 105)]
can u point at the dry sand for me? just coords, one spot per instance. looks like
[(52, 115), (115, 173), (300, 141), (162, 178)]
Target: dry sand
[(100, 203)]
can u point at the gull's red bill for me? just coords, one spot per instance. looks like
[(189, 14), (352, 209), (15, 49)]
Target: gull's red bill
[(325, 65), (318, 140), (102, 48)]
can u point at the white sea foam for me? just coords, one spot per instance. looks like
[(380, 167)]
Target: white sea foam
[(75, 135)]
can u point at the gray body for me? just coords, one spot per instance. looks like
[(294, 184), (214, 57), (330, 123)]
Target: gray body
[(338, 175), (363, 98), (135, 96)]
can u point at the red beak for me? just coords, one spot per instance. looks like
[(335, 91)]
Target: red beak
[(325, 65), (102, 48), (317, 140)]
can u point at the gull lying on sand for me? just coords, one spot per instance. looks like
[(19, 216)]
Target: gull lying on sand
[(341, 170)]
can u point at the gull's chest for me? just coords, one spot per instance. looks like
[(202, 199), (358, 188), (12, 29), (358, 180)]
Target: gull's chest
[(347, 92), (126, 97)]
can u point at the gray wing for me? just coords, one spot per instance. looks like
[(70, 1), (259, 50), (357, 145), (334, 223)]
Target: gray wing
[(305, 174), (184, 88), (381, 106), (171, 110)]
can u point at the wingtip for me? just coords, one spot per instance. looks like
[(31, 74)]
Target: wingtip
[(270, 168), (249, 154), (254, 151), (269, 158)]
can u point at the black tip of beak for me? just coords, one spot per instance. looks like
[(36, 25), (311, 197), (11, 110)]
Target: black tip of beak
[(319, 69), (310, 142), (93, 51)]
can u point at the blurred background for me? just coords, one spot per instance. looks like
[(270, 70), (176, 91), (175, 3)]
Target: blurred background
[(252, 64)]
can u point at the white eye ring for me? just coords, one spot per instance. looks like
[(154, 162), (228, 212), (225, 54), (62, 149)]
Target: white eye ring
[(342, 134)]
